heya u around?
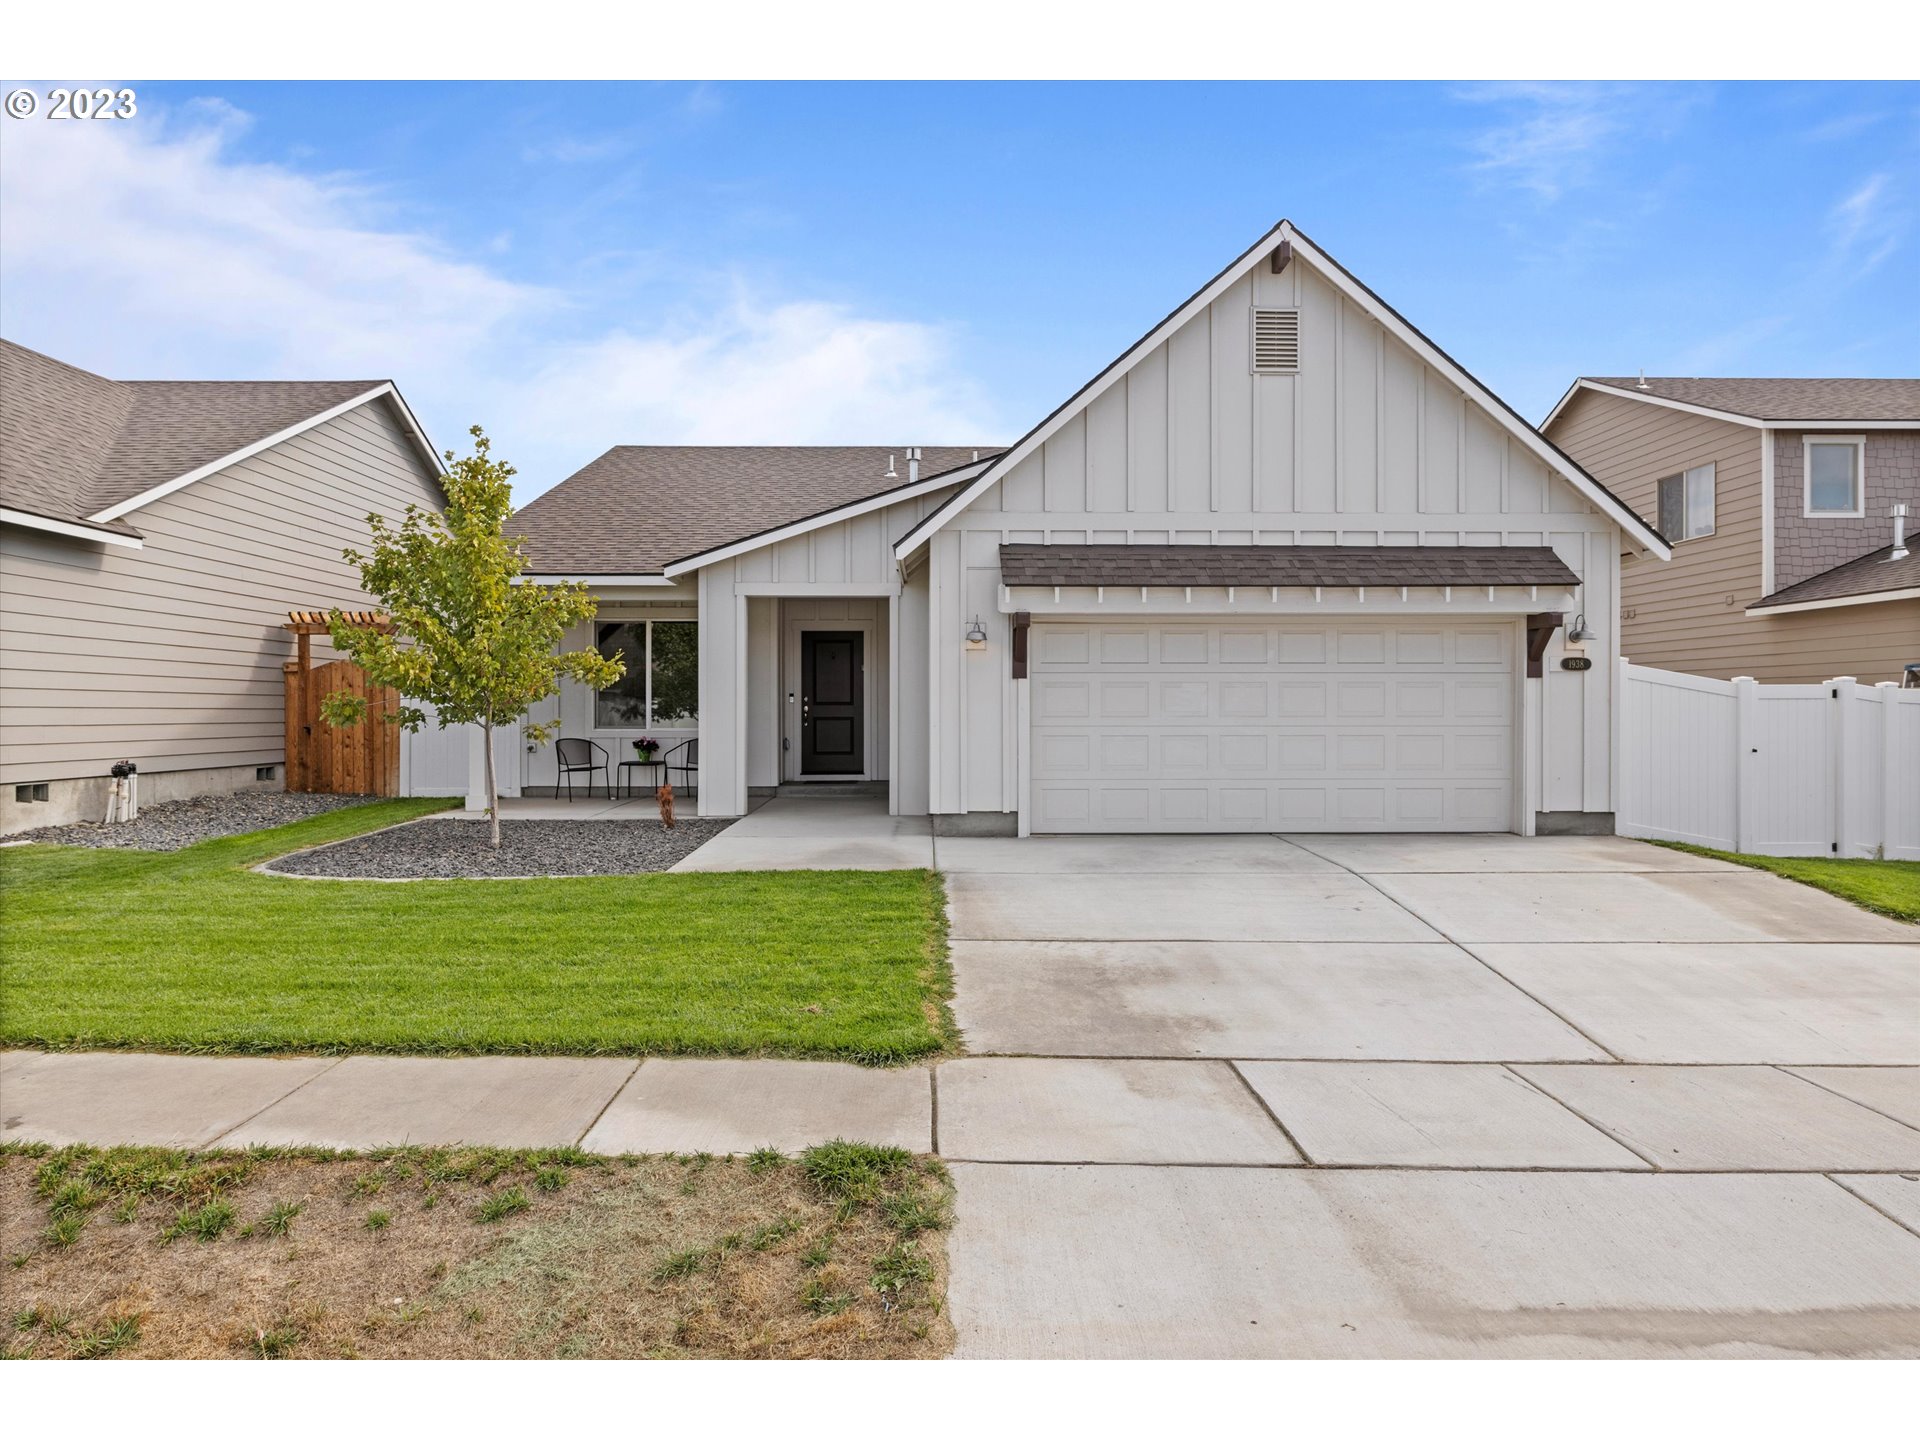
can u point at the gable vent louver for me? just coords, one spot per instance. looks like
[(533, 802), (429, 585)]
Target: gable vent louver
[(1276, 342)]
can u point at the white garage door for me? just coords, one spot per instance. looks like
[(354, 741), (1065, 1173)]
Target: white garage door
[(1282, 725)]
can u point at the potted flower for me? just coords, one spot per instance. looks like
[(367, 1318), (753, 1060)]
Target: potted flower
[(646, 749)]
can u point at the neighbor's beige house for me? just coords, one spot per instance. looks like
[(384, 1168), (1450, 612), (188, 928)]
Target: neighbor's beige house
[(153, 536), (1777, 497)]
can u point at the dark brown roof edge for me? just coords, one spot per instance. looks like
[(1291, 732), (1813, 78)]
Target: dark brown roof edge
[(1288, 565)]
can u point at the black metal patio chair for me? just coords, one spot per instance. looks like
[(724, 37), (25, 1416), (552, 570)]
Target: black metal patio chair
[(578, 755), (688, 763)]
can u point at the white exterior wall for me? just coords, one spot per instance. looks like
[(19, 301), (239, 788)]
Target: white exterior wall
[(1365, 446)]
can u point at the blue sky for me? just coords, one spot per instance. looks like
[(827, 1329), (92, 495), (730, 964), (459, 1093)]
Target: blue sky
[(581, 265)]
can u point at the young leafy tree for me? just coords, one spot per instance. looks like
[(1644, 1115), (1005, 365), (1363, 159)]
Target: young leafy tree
[(464, 637)]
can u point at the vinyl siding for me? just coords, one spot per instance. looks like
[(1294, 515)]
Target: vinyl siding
[(170, 655), (1688, 614)]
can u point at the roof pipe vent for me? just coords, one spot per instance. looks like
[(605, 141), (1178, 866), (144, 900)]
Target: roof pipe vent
[(891, 474), (1899, 513), (1643, 380)]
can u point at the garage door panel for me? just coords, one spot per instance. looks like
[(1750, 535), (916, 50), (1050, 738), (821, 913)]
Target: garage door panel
[(1287, 726)]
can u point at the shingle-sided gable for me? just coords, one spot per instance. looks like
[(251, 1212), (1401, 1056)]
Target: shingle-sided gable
[(1372, 418)]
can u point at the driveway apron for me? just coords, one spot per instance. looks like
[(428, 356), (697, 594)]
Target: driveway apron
[(1425, 1096)]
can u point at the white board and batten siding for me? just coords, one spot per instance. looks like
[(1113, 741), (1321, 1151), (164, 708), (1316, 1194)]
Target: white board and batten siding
[(1365, 445), (1829, 769), (170, 655)]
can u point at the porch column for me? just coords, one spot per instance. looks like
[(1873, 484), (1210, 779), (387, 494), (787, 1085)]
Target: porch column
[(723, 693)]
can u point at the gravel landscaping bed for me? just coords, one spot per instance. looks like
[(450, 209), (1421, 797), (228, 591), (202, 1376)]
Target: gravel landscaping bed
[(457, 849), (176, 824)]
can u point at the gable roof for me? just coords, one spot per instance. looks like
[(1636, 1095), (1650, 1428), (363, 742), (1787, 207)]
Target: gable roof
[(1778, 403), (640, 509), (1390, 319), (82, 450)]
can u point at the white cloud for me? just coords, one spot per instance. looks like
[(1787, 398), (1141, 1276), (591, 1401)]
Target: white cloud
[(796, 372), (1865, 227), (149, 250), (1555, 135)]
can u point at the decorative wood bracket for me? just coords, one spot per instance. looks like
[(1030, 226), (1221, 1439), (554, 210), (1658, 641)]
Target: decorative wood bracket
[(1282, 253), (1540, 627), (1022, 620)]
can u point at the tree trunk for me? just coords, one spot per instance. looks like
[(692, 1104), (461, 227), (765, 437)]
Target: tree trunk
[(493, 787)]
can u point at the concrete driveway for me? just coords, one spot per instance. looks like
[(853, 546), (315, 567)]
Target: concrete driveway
[(1425, 1096)]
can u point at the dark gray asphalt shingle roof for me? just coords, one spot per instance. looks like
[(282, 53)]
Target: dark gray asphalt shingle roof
[(1866, 575), (1762, 399), (639, 508), (1218, 565), (73, 443)]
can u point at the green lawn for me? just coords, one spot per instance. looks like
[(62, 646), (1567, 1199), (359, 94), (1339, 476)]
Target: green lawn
[(194, 951), (1888, 887)]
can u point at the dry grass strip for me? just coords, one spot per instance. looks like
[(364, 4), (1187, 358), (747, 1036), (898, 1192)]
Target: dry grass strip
[(472, 1253)]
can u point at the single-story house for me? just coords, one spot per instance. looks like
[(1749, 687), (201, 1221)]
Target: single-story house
[(1282, 565), (1780, 499), (154, 536)]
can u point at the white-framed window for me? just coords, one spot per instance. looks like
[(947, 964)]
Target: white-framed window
[(661, 689), (1686, 504), (1835, 469)]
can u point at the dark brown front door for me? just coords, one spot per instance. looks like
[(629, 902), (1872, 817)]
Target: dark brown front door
[(832, 702)]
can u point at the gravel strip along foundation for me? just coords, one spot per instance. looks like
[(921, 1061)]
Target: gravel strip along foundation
[(458, 849), (176, 824)]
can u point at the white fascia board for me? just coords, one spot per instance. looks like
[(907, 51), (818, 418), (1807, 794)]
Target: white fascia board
[(1645, 399), (958, 476), (1876, 598), (213, 467), (29, 521), (416, 432), (1622, 515), (1091, 391), (1643, 534), (531, 578)]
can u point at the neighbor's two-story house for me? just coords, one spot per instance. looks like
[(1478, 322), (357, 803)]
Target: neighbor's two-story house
[(153, 537), (1777, 497)]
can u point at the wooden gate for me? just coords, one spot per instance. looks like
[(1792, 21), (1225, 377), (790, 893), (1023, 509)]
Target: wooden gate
[(324, 759)]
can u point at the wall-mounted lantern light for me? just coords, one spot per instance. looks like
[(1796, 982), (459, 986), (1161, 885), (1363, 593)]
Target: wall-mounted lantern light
[(976, 635)]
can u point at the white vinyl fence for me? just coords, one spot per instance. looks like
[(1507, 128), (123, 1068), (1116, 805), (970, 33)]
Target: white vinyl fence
[(1830, 769)]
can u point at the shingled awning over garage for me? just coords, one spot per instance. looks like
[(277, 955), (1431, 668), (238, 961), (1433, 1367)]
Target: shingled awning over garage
[(1285, 565)]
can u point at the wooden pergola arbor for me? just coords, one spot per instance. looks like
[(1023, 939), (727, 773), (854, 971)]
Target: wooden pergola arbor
[(323, 759)]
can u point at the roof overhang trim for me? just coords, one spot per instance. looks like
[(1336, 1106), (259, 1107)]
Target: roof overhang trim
[(73, 529), (832, 516), (1835, 602)]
